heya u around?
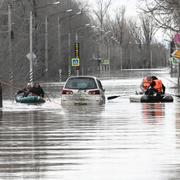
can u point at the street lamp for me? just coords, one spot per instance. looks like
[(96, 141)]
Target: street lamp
[(10, 45), (46, 38), (31, 40), (59, 38), (57, 2)]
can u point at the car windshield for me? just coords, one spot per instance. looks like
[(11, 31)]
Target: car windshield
[(81, 83)]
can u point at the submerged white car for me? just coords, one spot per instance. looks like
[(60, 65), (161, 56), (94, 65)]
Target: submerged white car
[(82, 90)]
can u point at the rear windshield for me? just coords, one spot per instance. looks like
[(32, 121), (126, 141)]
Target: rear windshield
[(81, 83)]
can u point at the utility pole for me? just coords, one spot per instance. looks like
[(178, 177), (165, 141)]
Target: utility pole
[(31, 50), (59, 48), (150, 57), (69, 43), (10, 45), (121, 55), (59, 39), (69, 53), (46, 48)]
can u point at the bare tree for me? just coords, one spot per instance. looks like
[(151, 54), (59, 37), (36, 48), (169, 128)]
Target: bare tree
[(102, 10), (166, 13), (148, 29)]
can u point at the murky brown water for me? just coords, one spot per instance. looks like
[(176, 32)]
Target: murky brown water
[(117, 141)]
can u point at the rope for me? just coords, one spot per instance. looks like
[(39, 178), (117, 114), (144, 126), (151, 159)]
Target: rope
[(9, 84)]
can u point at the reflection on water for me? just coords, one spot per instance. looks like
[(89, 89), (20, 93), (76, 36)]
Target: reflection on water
[(116, 141), (153, 112)]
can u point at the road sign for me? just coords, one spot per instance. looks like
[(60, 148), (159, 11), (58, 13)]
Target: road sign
[(105, 61), (174, 60), (176, 54), (177, 38), (75, 62)]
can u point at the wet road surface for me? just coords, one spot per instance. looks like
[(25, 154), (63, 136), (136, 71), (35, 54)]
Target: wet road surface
[(117, 141)]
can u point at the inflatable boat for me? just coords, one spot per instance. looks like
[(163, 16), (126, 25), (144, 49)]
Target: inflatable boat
[(151, 99), (29, 99)]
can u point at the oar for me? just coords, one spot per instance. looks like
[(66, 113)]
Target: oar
[(113, 97), (175, 95)]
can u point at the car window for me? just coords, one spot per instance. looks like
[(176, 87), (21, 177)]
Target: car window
[(81, 83)]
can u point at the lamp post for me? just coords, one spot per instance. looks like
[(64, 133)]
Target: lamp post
[(46, 38), (30, 50), (31, 57), (59, 47), (121, 55), (46, 48), (151, 58), (11, 74), (59, 39)]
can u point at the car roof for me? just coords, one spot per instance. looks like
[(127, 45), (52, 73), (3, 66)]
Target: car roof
[(93, 77)]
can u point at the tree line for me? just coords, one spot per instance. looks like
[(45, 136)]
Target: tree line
[(105, 42)]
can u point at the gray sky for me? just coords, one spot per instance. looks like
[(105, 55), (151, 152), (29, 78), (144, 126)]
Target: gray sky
[(129, 4), (131, 10)]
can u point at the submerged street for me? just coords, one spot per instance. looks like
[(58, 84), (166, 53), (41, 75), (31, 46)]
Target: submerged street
[(115, 141)]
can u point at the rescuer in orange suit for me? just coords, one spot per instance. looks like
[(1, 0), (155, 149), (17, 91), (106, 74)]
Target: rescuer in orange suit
[(158, 85), (146, 83)]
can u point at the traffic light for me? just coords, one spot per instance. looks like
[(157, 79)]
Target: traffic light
[(76, 50)]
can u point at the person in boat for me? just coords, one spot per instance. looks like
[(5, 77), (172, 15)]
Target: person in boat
[(158, 84), (25, 91), (153, 91), (37, 90), (145, 83)]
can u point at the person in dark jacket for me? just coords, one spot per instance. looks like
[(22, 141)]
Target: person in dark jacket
[(163, 87), (152, 91), (37, 90)]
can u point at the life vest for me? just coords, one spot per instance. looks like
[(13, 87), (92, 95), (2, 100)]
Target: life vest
[(146, 83), (158, 85)]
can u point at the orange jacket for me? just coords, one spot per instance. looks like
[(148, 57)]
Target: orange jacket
[(146, 83), (158, 86)]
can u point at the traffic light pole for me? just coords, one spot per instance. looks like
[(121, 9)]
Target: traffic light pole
[(77, 53)]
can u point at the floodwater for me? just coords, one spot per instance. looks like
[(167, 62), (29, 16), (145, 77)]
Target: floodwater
[(116, 141)]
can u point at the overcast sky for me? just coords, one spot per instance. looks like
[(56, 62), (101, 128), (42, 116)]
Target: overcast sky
[(131, 10), (129, 4)]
